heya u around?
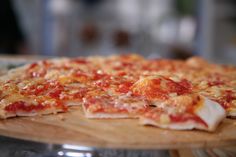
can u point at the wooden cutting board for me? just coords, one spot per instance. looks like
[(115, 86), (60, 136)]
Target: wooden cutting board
[(74, 128)]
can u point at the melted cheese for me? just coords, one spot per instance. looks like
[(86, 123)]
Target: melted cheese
[(130, 103)]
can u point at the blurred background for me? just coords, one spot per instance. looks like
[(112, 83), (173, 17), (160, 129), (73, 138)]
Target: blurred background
[(153, 28)]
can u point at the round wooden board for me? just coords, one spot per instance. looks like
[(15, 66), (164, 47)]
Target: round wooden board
[(112, 133)]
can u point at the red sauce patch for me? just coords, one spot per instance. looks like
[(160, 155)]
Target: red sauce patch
[(215, 83), (41, 89), (98, 76), (122, 73), (102, 83), (229, 96), (226, 100), (124, 87), (33, 65), (80, 61), (55, 93), (35, 89), (182, 118), (22, 106), (80, 73), (186, 84), (180, 88), (80, 94)]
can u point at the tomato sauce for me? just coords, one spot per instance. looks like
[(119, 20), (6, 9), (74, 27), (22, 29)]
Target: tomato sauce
[(33, 65), (55, 93), (182, 118), (80, 61), (215, 83), (179, 88), (227, 99), (22, 106), (124, 87)]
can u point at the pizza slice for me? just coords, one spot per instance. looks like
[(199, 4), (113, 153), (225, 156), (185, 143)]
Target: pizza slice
[(216, 82), (185, 112), (224, 95), (159, 88), (42, 87), (176, 105), (14, 103), (100, 104)]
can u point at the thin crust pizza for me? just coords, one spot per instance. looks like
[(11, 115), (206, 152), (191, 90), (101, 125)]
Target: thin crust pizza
[(172, 94)]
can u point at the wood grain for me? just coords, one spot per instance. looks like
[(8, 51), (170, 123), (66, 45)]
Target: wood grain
[(112, 133)]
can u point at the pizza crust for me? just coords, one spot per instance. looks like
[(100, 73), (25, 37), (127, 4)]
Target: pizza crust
[(209, 111), (5, 115), (100, 115), (231, 113), (187, 125), (107, 115)]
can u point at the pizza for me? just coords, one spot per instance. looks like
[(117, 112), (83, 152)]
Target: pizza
[(173, 94)]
